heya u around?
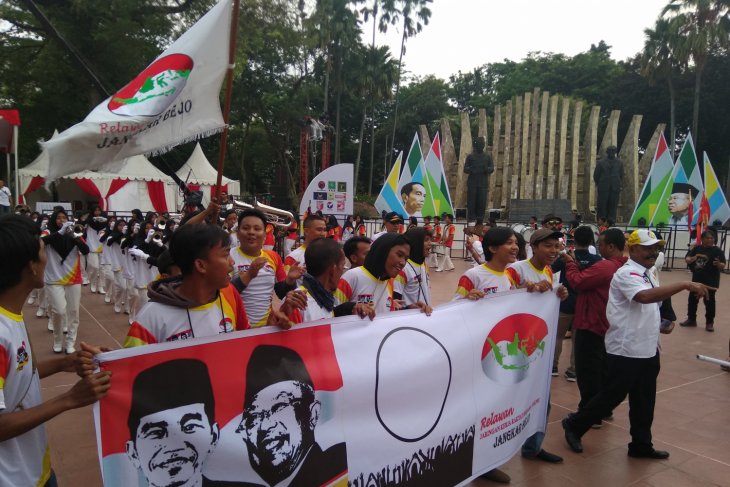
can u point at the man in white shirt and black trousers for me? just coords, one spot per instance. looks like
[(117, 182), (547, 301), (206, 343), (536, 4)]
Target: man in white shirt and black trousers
[(632, 347)]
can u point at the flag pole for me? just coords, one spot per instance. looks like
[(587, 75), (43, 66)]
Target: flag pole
[(227, 103)]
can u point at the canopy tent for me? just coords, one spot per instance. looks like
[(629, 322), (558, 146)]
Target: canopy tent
[(199, 174), (137, 184)]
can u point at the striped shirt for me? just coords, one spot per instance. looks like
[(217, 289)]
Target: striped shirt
[(358, 285), (484, 279)]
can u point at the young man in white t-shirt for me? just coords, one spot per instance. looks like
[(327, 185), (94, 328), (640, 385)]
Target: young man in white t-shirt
[(6, 198), (315, 227), (632, 347), (24, 453)]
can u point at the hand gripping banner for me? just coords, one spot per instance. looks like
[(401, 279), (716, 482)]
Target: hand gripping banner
[(402, 400)]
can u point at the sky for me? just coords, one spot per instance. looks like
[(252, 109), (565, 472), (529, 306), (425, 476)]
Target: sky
[(464, 34)]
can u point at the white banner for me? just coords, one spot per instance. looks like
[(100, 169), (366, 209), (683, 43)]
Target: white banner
[(173, 101), (402, 400), (330, 192)]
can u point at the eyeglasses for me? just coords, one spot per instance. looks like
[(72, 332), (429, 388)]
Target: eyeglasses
[(554, 222), (251, 419)]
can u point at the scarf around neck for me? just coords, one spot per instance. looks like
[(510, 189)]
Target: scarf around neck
[(323, 297)]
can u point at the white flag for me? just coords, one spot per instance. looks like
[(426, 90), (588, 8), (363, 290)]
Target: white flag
[(173, 101)]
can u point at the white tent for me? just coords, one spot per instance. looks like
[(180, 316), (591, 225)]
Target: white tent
[(137, 184), (200, 174)]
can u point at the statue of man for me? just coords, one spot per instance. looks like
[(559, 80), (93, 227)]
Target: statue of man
[(478, 166), (608, 176)]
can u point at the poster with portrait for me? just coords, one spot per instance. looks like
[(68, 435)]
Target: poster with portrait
[(402, 400)]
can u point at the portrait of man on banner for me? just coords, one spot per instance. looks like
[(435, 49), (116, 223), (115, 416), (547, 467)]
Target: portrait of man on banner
[(171, 435), (278, 423), (679, 202), (413, 197)]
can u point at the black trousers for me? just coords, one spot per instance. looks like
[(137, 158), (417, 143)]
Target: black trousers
[(607, 204), (590, 364), (709, 301), (476, 201), (635, 377)]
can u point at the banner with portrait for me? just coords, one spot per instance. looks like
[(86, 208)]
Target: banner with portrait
[(405, 399)]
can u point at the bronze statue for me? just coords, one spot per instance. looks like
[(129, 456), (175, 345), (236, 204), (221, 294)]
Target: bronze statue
[(608, 176), (478, 166)]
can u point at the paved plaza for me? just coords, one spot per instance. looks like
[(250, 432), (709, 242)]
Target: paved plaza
[(692, 418)]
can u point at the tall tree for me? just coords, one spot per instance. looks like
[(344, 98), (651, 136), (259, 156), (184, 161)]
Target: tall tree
[(704, 26), (414, 15), (660, 61)]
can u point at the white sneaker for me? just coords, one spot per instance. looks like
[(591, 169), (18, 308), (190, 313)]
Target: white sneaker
[(57, 348), (40, 312), (85, 282), (70, 349), (50, 325), (102, 291), (93, 288), (107, 299), (31, 299), (117, 308)]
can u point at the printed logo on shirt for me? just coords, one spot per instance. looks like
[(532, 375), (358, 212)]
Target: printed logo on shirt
[(490, 290), (364, 298), (183, 335), (225, 325), (22, 357)]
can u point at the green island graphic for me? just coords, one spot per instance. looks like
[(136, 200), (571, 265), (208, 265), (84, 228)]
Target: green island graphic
[(517, 349), (156, 86)]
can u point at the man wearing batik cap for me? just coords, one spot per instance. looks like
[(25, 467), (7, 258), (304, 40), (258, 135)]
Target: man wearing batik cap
[(678, 203), (172, 424), (632, 348), (392, 223), (278, 422)]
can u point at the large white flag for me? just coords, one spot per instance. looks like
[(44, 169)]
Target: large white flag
[(173, 101)]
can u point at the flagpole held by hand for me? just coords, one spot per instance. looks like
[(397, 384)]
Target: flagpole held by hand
[(227, 103)]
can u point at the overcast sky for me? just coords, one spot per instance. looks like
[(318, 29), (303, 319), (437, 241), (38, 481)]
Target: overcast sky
[(494, 30)]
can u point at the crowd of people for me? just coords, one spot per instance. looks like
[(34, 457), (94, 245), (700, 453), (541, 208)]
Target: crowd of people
[(218, 271)]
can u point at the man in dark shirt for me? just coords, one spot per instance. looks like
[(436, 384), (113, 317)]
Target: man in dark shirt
[(706, 261)]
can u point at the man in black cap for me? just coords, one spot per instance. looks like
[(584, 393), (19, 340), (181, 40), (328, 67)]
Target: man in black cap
[(678, 202), (608, 176), (392, 222), (279, 417), (172, 424)]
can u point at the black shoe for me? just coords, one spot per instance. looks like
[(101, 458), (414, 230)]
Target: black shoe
[(688, 322), (571, 437), (710, 326), (652, 454), (496, 475), (555, 372), (545, 457), (570, 376)]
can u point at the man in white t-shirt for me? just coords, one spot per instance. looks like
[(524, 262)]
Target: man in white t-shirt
[(314, 227), (24, 454), (5, 198), (632, 348)]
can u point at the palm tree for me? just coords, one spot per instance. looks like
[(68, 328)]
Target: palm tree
[(415, 15), (704, 25), (659, 60), (377, 76)]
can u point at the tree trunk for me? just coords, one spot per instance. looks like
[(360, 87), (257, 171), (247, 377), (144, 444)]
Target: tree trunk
[(337, 106), (372, 158), (397, 89), (672, 120), (359, 145), (699, 67), (372, 103)]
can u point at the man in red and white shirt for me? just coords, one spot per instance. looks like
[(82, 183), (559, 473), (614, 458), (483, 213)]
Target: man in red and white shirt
[(24, 454), (315, 226), (445, 263)]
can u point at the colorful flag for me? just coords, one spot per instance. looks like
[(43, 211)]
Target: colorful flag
[(436, 184), (704, 218), (719, 208), (175, 100), (657, 180), (389, 199), (674, 206)]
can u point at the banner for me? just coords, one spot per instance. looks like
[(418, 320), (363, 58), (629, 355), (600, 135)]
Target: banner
[(719, 208), (675, 206), (173, 101), (389, 197), (657, 180), (437, 185), (330, 192), (402, 400)]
